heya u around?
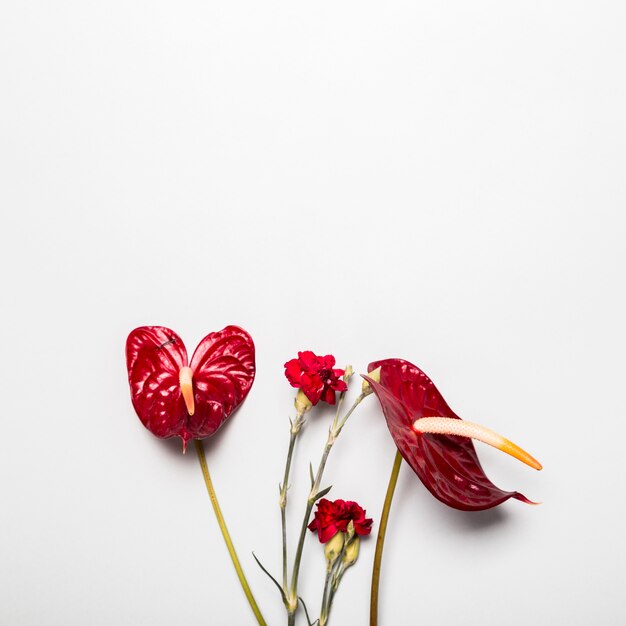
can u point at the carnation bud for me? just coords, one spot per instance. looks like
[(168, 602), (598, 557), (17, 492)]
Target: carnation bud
[(366, 388), (302, 403), (347, 373), (352, 552), (333, 548), (350, 529)]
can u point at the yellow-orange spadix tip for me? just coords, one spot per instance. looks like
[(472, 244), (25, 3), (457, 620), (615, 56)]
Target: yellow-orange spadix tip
[(461, 428), (186, 388)]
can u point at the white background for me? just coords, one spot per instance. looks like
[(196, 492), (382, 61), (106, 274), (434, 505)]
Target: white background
[(439, 181)]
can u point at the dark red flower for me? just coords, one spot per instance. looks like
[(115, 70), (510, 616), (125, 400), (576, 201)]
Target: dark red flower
[(176, 399), (333, 517), (446, 464), (316, 376)]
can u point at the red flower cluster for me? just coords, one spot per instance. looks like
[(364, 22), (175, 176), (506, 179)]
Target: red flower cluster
[(316, 376), (333, 517)]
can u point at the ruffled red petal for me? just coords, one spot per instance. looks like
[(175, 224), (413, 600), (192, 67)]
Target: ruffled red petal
[(329, 395), (339, 385), (327, 362), (293, 372), (312, 386), (309, 360)]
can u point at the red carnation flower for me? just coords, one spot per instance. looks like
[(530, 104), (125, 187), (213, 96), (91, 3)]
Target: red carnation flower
[(355, 514), (333, 517), (316, 376)]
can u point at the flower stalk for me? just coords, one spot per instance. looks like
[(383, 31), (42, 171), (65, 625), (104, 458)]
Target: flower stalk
[(229, 543), (296, 425), (380, 539), (314, 495), (336, 570)]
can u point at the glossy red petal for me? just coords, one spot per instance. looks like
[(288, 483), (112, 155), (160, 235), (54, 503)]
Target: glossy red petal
[(154, 356), (223, 371), (447, 465)]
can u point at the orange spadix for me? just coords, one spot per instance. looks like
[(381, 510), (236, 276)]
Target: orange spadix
[(451, 426), (186, 388)]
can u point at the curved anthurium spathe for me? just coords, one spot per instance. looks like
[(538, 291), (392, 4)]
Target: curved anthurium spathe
[(190, 400), (440, 451), (437, 444)]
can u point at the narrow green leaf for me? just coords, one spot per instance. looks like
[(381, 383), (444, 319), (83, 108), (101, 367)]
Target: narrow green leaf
[(306, 612), (322, 493), (282, 593)]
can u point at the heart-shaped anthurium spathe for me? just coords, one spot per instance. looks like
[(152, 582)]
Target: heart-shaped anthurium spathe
[(446, 464), (191, 400)]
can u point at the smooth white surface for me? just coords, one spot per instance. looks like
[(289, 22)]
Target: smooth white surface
[(440, 181)]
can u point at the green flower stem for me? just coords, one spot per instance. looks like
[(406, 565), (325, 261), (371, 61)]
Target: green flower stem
[(380, 540), (339, 572), (333, 578), (293, 435), (324, 610), (226, 534), (333, 433)]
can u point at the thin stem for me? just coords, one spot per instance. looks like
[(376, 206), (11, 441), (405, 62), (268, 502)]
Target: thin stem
[(323, 611), (291, 618), (283, 524), (296, 563), (380, 540), (295, 429), (333, 433), (333, 578), (225, 533), (333, 589)]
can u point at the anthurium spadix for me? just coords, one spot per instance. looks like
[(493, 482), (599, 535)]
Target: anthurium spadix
[(435, 442), (191, 400)]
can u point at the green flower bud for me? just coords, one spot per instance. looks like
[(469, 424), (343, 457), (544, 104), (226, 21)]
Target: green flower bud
[(333, 548), (302, 403), (366, 388), (352, 552), (350, 529)]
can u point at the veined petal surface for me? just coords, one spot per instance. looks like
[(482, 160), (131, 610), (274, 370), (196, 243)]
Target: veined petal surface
[(447, 465), (223, 369)]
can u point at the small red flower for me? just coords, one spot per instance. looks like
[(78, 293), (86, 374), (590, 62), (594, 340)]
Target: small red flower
[(174, 397), (333, 517), (316, 376)]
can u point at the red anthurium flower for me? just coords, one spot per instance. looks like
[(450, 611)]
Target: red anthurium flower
[(175, 398), (333, 517), (316, 376), (435, 442)]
